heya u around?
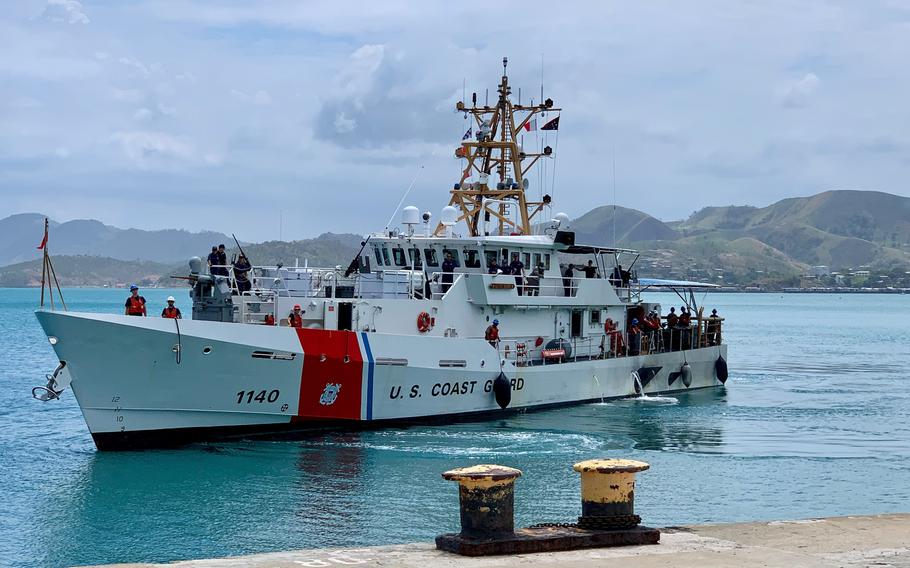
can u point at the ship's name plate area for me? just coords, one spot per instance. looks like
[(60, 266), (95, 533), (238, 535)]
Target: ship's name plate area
[(450, 388)]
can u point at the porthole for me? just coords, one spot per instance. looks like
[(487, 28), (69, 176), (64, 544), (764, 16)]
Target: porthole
[(207, 349)]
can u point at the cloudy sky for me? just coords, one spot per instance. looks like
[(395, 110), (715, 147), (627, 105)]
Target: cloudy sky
[(219, 115)]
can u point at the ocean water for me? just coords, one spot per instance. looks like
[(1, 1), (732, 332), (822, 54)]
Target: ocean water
[(814, 421)]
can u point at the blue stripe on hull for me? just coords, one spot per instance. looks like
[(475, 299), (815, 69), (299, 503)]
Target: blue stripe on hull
[(371, 365)]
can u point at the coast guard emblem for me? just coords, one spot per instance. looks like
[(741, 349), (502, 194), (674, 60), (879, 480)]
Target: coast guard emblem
[(330, 394)]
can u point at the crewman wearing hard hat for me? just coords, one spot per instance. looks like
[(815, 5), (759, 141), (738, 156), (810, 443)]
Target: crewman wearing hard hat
[(295, 318), (135, 304), (171, 311), (492, 333)]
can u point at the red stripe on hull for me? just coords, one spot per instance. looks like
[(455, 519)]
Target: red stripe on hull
[(331, 382)]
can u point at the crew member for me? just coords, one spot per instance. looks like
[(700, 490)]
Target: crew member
[(222, 260), (493, 268), (617, 346), (533, 286), (171, 311), (295, 318), (685, 327), (242, 274), (567, 277), (713, 328), (135, 304), (634, 338), (213, 261), (269, 320), (516, 267), (492, 334), (590, 270), (671, 334), (448, 267)]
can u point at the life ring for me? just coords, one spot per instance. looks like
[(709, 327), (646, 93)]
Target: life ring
[(423, 322)]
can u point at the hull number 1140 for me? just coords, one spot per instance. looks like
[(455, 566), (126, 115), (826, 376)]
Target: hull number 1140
[(254, 396)]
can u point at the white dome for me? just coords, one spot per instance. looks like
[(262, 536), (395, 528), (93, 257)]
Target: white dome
[(410, 215), (448, 216), (563, 220)]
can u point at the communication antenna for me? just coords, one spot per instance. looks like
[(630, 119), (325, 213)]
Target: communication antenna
[(403, 197), (614, 197)]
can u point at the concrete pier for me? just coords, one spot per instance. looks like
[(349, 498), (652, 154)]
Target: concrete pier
[(881, 540)]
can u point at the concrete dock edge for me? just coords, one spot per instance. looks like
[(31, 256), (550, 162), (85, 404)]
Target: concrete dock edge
[(879, 540)]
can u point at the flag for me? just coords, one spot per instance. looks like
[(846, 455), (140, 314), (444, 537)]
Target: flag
[(44, 240), (551, 125), (467, 134), (531, 125)]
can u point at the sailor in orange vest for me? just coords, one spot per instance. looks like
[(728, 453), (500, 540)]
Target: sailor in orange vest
[(295, 318), (492, 334), (171, 311), (135, 304), (269, 320)]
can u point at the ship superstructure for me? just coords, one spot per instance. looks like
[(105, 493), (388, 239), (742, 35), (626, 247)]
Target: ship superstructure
[(402, 333)]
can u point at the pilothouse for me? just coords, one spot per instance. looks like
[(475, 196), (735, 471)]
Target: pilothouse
[(400, 335)]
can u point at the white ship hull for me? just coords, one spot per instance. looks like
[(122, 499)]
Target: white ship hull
[(242, 380)]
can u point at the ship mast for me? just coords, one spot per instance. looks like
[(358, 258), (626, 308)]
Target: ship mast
[(494, 154)]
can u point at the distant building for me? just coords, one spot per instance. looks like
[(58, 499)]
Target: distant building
[(819, 271)]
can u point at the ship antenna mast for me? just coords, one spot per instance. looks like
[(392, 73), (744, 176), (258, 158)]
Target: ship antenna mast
[(492, 152)]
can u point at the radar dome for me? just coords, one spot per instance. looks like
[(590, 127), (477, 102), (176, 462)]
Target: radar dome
[(563, 220), (448, 216), (410, 215)]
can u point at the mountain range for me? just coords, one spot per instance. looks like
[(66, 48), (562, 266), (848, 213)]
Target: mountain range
[(773, 245)]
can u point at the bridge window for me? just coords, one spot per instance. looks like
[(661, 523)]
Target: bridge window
[(536, 260), (414, 256), (595, 317), (385, 257), (526, 259), (432, 260), (546, 262), (472, 258), (398, 255), (378, 255), (490, 257), (454, 254)]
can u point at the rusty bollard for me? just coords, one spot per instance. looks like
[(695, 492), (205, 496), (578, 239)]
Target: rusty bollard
[(486, 494), (608, 493)]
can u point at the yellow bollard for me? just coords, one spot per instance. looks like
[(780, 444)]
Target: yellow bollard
[(486, 495), (608, 493)]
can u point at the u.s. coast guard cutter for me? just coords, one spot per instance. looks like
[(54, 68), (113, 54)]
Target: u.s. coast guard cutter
[(398, 336)]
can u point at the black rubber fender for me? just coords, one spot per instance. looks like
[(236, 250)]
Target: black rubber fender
[(686, 373), (720, 369), (502, 390)]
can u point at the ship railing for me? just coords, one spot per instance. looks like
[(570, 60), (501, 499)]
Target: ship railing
[(255, 305)]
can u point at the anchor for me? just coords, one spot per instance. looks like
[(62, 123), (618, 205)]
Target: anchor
[(56, 384)]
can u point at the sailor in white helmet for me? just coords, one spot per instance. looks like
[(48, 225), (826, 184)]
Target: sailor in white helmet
[(171, 311)]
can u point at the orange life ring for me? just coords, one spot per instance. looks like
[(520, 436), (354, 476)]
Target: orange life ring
[(423, 322)]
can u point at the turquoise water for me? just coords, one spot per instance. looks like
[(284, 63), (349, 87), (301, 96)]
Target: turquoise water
[(815, 421)]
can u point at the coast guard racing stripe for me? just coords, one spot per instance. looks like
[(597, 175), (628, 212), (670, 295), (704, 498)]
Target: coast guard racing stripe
[(331, 382)]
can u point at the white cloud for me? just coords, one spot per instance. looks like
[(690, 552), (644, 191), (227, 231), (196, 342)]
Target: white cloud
[(148, 149), (65, 11), (260, 97), (343, 124), (798, 93)]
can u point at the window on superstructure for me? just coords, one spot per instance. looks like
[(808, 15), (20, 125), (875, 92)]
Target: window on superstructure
[(378, 255), (536, 260), (454, 254), (385, 257), (526, 259), (414, 257), (546, 262), (398, 256), (491, 257), (595, 317), (432, 260), (472, 258)]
